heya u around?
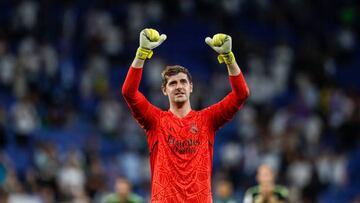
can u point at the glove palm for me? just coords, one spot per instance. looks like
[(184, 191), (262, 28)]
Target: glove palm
[(148, 40), (222, 44)]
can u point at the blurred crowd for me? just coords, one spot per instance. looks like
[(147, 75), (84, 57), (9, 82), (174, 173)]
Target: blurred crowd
[(66, 134)]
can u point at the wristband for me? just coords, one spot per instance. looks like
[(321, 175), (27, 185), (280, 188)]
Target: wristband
[(228, 58), (143, 53)]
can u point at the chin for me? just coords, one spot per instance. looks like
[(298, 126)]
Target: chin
[(182, 100)]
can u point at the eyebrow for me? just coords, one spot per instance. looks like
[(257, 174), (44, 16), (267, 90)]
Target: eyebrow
[(181, 80)]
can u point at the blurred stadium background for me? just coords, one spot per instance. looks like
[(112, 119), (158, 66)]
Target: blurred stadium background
[(66, 134)]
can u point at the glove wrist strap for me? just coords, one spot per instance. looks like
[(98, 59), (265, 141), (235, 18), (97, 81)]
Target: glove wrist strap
[(143, 53), (227, 58)]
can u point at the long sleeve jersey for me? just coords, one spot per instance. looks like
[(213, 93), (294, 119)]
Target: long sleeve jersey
[(181, 149)]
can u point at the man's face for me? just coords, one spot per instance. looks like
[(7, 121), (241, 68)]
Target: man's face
[(178, 88), (265, 178), (122, 187)]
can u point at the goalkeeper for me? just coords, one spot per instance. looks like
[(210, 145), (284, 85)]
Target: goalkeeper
[(181, 140)]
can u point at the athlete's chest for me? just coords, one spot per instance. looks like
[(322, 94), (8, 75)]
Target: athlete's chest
[(191, 126), (183, 136)]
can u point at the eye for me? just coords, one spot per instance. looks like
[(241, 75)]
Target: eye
[(183, 81), (172, 83)]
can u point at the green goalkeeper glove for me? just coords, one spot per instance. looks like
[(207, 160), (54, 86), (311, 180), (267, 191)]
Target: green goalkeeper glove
[(221, 43), (149, 39)]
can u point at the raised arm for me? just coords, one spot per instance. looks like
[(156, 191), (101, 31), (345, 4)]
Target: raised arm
[(225, 110), (140, 107)]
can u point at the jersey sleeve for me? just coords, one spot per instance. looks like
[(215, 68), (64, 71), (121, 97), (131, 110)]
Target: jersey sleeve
[(142, 110), (224, 111)]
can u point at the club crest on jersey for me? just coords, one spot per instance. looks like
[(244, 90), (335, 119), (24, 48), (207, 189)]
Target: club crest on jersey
[(193, 128)]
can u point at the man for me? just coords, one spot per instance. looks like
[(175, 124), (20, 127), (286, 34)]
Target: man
[(123, 193), (224, 192), (266, 191), (181, 140)]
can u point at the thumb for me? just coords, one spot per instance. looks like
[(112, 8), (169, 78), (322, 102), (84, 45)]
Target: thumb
[(208, 41), (162, 38)]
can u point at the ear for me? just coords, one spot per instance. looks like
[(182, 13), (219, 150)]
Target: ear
[(163, 89)]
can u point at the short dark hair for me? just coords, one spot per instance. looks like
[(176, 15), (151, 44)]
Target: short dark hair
[(173, 70)]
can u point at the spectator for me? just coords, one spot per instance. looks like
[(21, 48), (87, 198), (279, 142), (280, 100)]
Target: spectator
[(25, 120), (224, 192), (71, 178), (123, 193), (266, 191), (109, 115)]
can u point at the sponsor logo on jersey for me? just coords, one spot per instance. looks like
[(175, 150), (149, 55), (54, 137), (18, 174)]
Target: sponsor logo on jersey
[(187, 146)]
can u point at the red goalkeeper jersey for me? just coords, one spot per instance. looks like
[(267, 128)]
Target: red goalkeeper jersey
[(181, 149)]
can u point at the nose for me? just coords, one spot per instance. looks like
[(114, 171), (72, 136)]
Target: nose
[(179, 85)]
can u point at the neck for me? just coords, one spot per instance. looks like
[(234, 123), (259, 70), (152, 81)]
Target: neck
[(180, 109)]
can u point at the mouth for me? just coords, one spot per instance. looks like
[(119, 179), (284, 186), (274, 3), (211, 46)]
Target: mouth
[(179, 94)]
